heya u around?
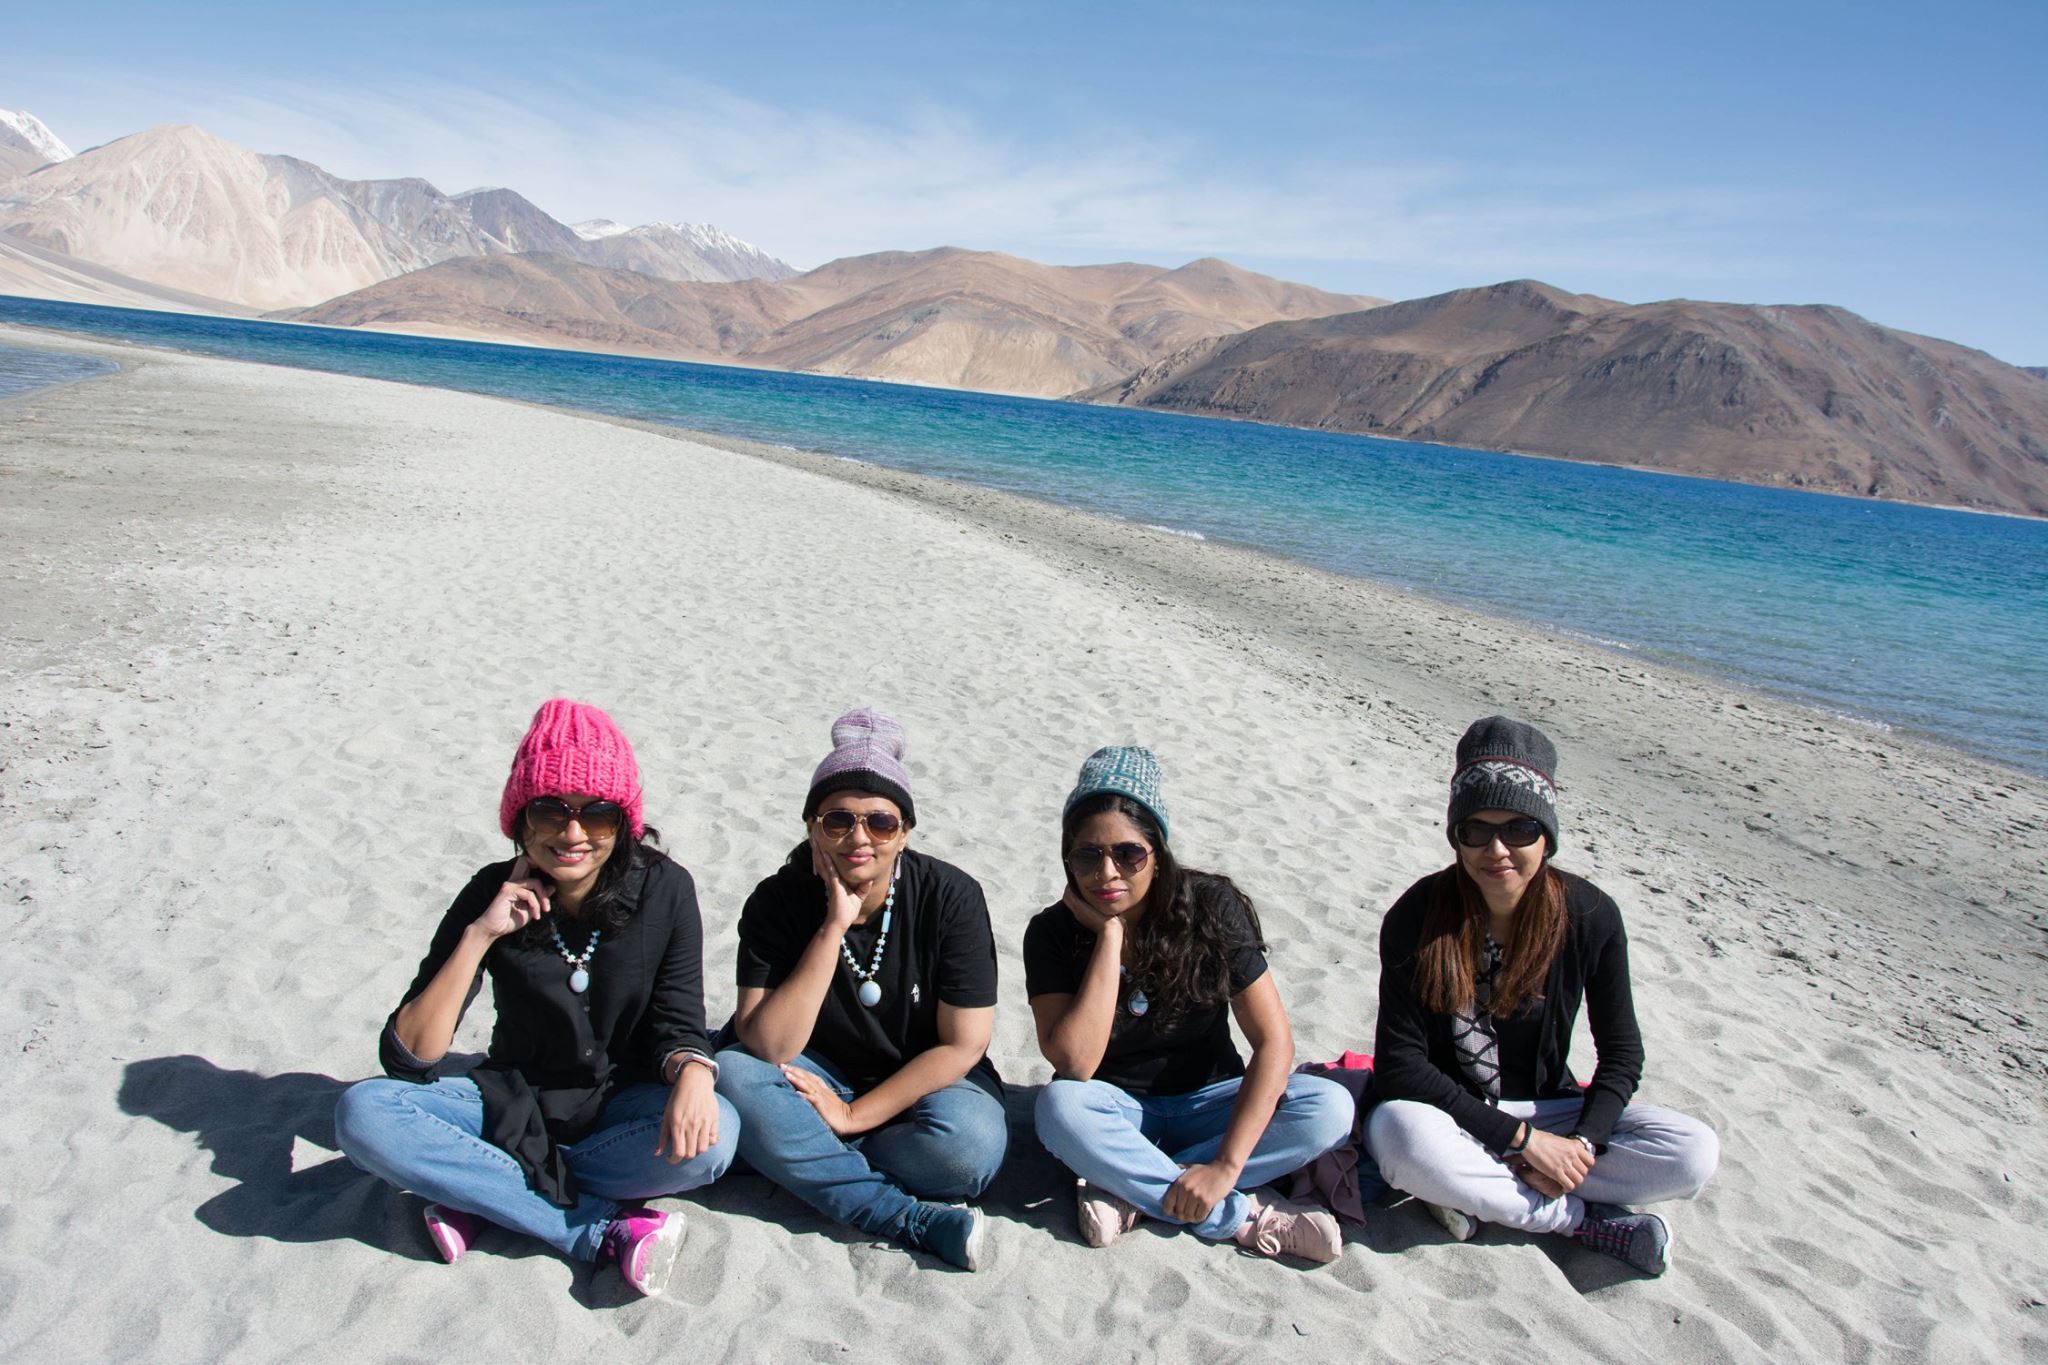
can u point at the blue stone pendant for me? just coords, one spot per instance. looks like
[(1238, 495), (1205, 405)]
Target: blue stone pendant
[(870, 994), (579, 981), (1139, 1004)]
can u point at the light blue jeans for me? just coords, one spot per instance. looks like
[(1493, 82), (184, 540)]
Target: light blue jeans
[(428, 1139), (948, 1146), (1134, 1146)]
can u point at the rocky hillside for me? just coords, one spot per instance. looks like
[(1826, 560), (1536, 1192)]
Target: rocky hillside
[(178, 208), (965, 319), (1808, 397)]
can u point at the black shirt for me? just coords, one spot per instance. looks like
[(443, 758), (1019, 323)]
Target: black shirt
[(556, 1056), (1415, 1059), (1146, 1055), (940, 951)]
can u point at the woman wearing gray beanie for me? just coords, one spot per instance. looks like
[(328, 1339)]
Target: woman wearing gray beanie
[(1135, 975), (867, 991), (1483, 968)]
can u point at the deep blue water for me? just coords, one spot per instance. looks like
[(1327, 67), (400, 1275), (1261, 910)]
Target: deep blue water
[(1928, 620)]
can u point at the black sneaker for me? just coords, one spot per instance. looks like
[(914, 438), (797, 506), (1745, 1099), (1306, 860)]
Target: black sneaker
[(1640, 1239)]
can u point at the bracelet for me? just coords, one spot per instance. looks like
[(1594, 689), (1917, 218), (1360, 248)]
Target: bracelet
[(1521, 1142), (672, 1068)]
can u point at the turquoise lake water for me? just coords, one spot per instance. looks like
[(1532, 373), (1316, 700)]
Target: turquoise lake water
[(1925, 620)]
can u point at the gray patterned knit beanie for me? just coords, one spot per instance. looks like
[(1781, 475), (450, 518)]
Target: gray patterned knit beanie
[(1126, 770), (867, 756), (1505, 765)]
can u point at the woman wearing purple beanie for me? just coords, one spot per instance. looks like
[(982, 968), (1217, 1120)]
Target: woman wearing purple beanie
[(597, 1091), (1483, 969), (867, 991)]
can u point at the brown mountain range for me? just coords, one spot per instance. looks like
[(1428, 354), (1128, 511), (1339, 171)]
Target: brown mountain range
[(181, 209), (1808, 397), (965, 319)]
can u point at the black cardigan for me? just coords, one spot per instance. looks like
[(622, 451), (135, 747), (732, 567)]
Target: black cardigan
[(555, 1056), (1413, 1056)]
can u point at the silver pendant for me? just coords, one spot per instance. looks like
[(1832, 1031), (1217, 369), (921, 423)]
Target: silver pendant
[(579, 981), (1139, 1004), (870, 994)]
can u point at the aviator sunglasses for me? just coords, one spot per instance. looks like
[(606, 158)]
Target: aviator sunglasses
[(1514, 833), (881, 824), (549, 815), (1127, 857)]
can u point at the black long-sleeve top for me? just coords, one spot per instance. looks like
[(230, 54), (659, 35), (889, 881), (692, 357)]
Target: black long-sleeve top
[(555, 1056), (1414, 1058)]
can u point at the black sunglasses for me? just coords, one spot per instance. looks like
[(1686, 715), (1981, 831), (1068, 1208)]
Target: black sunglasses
[(881, 824), (1127, 857), (551, 815), (1519, 833)]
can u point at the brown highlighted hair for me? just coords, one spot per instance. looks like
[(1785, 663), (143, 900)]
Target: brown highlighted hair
[(1454, 936)]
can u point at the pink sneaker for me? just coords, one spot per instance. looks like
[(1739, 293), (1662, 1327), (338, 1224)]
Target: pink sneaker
[(450, 1230), (644, 1243), (1103, 1216), (1281, 1227)]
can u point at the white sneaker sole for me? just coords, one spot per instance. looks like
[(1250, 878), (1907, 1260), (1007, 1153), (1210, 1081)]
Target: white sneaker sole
[(655, 1257)]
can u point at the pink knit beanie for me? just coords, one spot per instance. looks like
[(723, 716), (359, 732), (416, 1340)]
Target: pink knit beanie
[(572, 747)]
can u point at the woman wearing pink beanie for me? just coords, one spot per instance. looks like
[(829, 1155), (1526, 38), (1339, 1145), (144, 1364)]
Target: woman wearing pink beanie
[(597, 1091)]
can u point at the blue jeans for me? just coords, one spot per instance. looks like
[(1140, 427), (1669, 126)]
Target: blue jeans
[(428, 1139), (948, 1146), (1134, 1146)]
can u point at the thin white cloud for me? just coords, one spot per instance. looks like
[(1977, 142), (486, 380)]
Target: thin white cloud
[(812, 183)]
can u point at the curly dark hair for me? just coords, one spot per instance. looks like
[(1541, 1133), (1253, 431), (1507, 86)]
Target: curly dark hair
[(1194, 922), (606, 907)]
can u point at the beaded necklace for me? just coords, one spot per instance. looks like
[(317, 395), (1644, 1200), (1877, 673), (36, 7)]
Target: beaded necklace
[(579, 977), (870, 993)]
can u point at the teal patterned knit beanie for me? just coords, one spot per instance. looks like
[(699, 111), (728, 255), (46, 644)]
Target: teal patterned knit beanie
[(1127, 770)]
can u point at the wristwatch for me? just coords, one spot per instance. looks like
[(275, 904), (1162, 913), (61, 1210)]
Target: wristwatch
[(1587, 1143), (672, 1068)]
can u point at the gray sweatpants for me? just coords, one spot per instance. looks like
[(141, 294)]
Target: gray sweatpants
[(1653, 1154)]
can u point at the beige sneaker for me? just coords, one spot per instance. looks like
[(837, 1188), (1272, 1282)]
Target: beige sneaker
[(1461, 1226), (1103, 1217), (1281, 1227)]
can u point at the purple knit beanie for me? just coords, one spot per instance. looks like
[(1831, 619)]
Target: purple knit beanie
[(867, 756), (572, 747)]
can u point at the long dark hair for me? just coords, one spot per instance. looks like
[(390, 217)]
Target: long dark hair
[(1194, 924), (1454, 935), (607, 907)]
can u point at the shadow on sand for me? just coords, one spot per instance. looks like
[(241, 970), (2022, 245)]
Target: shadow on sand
[(274, 1137)]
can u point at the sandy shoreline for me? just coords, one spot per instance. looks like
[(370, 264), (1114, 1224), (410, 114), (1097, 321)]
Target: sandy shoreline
[(271, 634)]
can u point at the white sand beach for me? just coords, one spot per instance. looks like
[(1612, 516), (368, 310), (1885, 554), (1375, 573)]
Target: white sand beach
[(268, 638)]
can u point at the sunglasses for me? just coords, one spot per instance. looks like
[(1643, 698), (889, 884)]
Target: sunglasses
[(551, 815), (1127, 857), (881, 825), (1514, 833)]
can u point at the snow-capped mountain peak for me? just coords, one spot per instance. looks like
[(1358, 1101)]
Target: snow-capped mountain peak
[(32, 130), (597, 229)]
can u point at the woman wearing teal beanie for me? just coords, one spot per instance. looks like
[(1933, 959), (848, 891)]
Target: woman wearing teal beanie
[(1135, 975)]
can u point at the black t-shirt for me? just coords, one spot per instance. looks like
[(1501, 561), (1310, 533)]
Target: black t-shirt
[(1145, 1055), (941, 951)]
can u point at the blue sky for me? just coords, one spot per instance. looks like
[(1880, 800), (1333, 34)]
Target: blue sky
[(1889, 158)]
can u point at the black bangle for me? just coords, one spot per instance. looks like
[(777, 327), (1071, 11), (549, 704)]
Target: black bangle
[(1521, 1142)]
